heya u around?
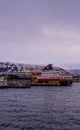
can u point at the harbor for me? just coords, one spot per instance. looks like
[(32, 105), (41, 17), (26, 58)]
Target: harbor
[(15, 80), (48, 76)]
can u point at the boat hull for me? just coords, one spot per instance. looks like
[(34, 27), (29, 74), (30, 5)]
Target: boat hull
[(61, 82)]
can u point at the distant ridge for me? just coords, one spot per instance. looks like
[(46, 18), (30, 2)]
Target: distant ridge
[(13, 67)]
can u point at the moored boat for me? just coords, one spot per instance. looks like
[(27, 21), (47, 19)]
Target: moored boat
[(15, 80), (51, 76)]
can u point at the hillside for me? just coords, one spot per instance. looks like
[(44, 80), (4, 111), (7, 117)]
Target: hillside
[(13, 67)]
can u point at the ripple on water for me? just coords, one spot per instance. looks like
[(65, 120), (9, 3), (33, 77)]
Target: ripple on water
[(40, 108)]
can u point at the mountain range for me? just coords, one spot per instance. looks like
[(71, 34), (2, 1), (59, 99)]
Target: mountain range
[(13, 67)]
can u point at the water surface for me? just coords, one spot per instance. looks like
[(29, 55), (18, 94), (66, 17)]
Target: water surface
[(40, 108)]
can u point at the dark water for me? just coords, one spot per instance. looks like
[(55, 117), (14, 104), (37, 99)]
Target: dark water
[(40, 108)]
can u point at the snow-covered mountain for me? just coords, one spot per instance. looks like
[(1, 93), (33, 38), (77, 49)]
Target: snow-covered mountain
[(74, 72), (13, 67)]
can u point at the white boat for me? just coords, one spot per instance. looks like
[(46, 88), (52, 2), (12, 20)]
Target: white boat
[(53, 75)]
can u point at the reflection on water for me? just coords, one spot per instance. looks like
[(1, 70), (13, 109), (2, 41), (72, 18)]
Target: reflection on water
[(40, 108)]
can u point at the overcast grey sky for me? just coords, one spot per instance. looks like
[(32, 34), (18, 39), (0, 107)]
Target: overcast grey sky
[(40, 31)]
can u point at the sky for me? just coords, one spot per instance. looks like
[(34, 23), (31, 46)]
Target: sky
[(40, 31)]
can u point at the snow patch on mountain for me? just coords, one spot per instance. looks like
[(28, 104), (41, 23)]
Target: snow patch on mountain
[(13, 67)]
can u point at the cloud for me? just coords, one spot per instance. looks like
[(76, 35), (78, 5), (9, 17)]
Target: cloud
[(40, 32), (66, 35), (62, 44)]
